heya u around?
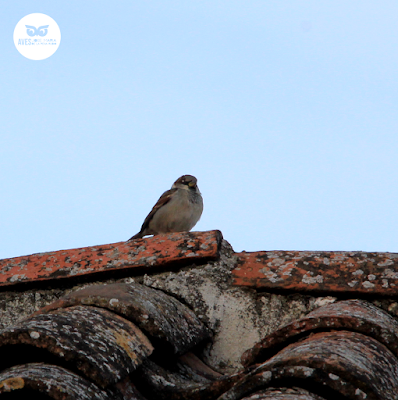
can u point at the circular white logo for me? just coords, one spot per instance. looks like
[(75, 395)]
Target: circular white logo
[(37, 36)]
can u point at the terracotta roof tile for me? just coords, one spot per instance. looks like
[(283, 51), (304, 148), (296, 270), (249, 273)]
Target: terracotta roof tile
[(283, 394), (103, 346), (157, 314), (174, 381), (127, 341), (161, 251), (56, 382), (319, 272), (344, 363), (354, 315), (82, 333)]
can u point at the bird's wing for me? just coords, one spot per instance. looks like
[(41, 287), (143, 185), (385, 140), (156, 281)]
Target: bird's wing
[(163, 199)]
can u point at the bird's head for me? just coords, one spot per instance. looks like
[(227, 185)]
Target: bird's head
[(185, 182)]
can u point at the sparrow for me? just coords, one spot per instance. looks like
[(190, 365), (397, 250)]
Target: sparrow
[(177, 210)]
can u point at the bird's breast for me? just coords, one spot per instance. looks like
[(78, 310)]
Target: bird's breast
[(180, 214)]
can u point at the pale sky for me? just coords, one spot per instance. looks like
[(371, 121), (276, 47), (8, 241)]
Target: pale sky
[(286, 112)]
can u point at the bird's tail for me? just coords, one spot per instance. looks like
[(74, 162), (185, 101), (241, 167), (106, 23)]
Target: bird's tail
[(136, 236)]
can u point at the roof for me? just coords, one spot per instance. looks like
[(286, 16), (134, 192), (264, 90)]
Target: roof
[(182, 315)]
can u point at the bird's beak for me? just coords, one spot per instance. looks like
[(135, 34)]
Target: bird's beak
[(191, 184)]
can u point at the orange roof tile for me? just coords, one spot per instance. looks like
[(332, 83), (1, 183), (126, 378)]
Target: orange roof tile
[(319, 271), (156, 252)]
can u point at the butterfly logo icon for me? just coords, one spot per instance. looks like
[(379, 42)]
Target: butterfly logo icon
[(40, 31)]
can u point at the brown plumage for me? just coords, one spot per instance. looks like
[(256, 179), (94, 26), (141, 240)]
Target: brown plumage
[(177, 210)]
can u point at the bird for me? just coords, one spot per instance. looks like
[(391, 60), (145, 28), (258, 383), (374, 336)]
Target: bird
[(177, 210)]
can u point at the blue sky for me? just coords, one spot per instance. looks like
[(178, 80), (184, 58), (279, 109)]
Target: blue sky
[(286, 112)]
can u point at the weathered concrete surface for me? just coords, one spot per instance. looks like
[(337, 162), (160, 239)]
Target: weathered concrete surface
[(238, 317), (15, 306)]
